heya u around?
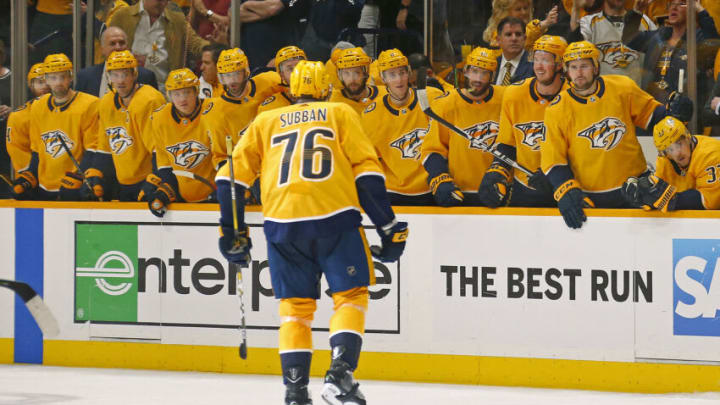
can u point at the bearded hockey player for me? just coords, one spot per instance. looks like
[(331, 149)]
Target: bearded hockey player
[(353, 72)]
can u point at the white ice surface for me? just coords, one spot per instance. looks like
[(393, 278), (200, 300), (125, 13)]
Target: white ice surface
[(40, 385)]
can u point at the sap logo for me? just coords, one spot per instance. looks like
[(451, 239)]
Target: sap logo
[(696, 287), (409, 144), (119, 139), (481, 134), (533, 133), (188, 154), (53, 144), (605, 134), (617, 55)]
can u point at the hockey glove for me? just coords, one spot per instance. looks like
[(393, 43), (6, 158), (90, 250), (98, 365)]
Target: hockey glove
[(161, 198), (95, 185), (654, 192), (393, 237), (445, 192), (151, 184), (24, 184), (71, 186), (494, 187), (631, 193), (235, 248), (571, 201), (540, 183), (679, 106)]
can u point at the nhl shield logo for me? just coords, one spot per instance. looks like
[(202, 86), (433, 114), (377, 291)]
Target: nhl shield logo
[(118, 139), (53, 146), (483, 133), (188, 154), (605, 134), (409, 144), (533, 133)]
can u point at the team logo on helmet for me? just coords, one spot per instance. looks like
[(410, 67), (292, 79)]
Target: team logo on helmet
[(409, 144), (483, 133), (119, 139), (188, 154), (53, 147), (533, 133), (605, 134), (617, 55)]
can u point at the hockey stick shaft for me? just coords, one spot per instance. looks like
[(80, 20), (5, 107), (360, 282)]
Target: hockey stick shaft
[(425, 105), (236, 229), (42, 314), (6, 180), (191, 175), (77, 165)]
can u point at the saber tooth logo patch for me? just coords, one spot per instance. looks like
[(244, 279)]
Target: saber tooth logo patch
[(483, 133), (605, 134), (409, 144), (53, 147), (533, 133), (188, 154), (119, 139)]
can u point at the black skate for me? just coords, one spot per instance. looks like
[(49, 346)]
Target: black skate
[(295, 392), (340, 388)]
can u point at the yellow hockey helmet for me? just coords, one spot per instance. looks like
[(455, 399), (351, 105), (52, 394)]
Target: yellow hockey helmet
[(181, 79), (37, 70), (482, 58), (287, 53), (390, 59), (581, 50), (667, 132), (552, 44), (121, 60), (353, 57), (309, 80), (232, 60), (57, 62)]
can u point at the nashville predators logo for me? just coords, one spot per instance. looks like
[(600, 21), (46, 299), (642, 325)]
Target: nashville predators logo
[(188, 154), (617, 55), (409, 144), (483, 133), (53, 146), (605, 134), (118, 139), (533, 133)]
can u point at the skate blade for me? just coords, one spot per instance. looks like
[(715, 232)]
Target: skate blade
[(329, 394)]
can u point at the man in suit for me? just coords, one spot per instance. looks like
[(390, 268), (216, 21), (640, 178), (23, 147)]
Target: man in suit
[(513, 63), (93, 80)]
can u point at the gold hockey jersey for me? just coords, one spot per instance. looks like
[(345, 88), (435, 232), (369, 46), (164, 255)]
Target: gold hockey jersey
[(376, 93), (124, 132), (75, 122), (595, 135), (277, 100), (17, 137), (467, 160)]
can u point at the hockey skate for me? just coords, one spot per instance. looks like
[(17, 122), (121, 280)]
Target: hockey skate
[(296, 393), (340, 388)]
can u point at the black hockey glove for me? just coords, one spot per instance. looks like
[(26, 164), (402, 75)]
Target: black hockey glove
[(445, 192), (71, 187), (679, 106), (23, 185), (571, 201), (654, 192), (160, 199), (494, 187), (393, 237), (94, 179), (235, 248), (152, 181), (540, 183)]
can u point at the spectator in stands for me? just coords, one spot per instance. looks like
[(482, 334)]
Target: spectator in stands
[(522, 10), (93, 79), (158, 37), (206, 14), (268, 25), (513, 64), (604, 29), (327, 19), (53, 24), (106, 9), (210, 86), (711, 111)]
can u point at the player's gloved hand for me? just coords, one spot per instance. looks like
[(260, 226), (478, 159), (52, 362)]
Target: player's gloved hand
[(160, 199), (151, 184), (445, 192), (23, 184), (679, 106), (393, 237), (71, 186), (654, 192), (95, 185), (631, 193), (540, 182), (235, 248), (571, 201), (494, 187)]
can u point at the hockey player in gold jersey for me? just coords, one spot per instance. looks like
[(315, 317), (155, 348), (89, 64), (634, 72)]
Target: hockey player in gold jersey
[(353, 72), (17, 139), (125, 142), (456, 164), (591, 146), (62, 120), (687, 174), (522, 132), (317, 168), (397, 127), (181, 146), (285, 60)]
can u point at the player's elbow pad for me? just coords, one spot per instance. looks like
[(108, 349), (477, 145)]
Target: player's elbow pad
[(374, 200), (224, 195)]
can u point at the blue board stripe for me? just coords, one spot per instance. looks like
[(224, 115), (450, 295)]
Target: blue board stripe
[(29, 269)]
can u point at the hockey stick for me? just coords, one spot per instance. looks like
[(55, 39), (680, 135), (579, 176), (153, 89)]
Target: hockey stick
[(425, 105), (6, 180), (77, 165), (43, 317), (236, 228), (194, 176)]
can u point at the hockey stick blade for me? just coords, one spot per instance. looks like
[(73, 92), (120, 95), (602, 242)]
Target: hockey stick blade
[(37, 307)]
